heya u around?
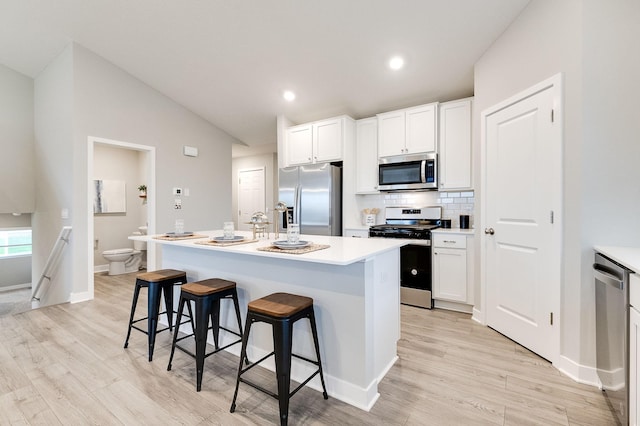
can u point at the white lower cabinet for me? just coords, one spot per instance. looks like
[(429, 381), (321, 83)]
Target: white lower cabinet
[(452, 266), (634, 351)]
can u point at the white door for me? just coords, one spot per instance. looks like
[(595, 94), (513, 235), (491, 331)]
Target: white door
[(251, 195), (521, 206)]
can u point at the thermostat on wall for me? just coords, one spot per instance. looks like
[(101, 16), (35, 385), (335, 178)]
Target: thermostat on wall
[(190, 151)]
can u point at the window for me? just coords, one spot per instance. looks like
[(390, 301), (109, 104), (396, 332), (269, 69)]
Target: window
[(15, 242)]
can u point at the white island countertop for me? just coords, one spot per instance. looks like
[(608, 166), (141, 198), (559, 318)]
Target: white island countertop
[(626, 256), (342, 250)]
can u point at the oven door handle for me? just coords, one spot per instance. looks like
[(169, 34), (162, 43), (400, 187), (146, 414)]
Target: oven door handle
[(605, 276)]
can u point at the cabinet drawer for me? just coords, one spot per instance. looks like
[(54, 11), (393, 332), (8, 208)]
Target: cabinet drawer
[(449, 241), (356, 233), (634, 291)]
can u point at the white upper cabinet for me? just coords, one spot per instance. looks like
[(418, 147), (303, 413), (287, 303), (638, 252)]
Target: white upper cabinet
[(317, 142), (367, 156), (327, 140), (455, 145), (300, 144), (408, 131)]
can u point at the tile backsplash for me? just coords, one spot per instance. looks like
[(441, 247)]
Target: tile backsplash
[(453, 203)]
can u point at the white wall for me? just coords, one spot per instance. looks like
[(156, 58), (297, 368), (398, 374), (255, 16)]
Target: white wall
[(82, 95), (16, 142), (590, 43), (113, 229), (54, 160)]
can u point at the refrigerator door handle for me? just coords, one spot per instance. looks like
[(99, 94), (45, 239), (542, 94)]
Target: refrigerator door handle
[(298, 204)]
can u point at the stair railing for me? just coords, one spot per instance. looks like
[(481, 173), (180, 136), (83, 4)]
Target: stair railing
[(52, 261)]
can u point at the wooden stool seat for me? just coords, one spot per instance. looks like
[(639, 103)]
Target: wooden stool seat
[(161, 275), (280, 305), (281, 311), (206, 287), (158, 282), (206, 296)]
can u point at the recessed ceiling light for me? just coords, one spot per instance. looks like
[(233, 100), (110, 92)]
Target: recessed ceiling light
[(396, 63), (289, 95)]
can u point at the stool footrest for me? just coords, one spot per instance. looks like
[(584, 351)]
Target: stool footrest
[(260, 388), (146, 332), (250, 366), (215, 351)]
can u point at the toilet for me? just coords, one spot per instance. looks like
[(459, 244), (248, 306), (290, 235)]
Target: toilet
[(122, 261)]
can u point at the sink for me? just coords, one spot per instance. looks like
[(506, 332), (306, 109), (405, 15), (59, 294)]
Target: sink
[(143, 230)]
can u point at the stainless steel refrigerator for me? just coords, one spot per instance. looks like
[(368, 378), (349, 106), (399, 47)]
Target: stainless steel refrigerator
[(313, 195)]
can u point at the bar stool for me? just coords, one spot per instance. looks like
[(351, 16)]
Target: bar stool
[(206, 295), (161, 281), (281, 310)]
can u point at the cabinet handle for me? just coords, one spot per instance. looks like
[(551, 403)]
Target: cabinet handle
[(489, 231), (448, 241)]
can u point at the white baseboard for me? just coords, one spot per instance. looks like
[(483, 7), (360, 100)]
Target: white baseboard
[(580, 373), (15, 287), (100, 268), (452, 306), (80, 297), (477, 316)]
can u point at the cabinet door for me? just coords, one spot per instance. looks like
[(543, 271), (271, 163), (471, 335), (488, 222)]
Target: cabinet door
[(634, 366), (421, 129), (327, 140), (450, 274), (299, 144), (391, 133), (367, 155), (455, 145)]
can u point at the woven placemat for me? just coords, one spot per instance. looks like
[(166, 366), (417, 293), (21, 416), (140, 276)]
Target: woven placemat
[(224, 244), (169, 238), (308, 249)]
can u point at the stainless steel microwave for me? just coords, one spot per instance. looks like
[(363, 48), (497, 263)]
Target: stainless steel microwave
[(408, 172)]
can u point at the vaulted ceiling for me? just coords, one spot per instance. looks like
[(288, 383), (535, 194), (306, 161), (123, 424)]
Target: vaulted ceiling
[(230, 60)]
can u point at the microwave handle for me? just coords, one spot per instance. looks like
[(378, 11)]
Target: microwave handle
[(423, 171)]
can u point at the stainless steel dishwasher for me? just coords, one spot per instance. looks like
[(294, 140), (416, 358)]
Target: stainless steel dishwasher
[(612, 333)]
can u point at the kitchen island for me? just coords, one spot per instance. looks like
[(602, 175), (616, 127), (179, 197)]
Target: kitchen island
[(355, 285)]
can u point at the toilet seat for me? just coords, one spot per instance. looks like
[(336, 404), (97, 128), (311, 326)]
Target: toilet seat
[(119, 251)]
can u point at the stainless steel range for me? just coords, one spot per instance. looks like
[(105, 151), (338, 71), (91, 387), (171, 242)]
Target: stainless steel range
[(413, 224)]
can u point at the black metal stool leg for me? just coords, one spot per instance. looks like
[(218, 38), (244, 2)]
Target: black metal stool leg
[(314, 331), (215, 322), (153, 308), (136, 293), (203, 306), (175, 333), (167, 290), (243, 356), (282, 342), (236, 304)]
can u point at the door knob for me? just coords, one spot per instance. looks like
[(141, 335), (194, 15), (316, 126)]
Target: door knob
[(489, 231)]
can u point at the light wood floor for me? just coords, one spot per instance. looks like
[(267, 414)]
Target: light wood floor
[(65, 365)]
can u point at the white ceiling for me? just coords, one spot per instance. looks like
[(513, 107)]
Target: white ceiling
[(230, 60)]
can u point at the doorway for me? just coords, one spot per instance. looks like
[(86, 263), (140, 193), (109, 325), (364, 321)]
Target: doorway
[(521, 205), (147, 154), (251, 195)]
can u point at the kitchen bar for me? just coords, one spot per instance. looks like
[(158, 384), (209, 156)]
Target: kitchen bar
[(355, 287)]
